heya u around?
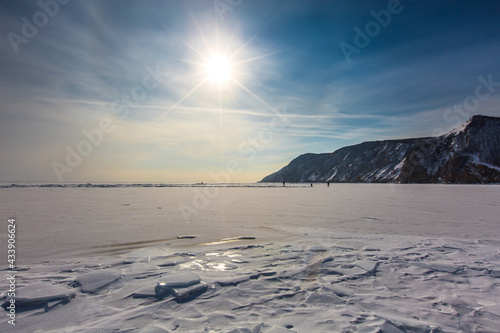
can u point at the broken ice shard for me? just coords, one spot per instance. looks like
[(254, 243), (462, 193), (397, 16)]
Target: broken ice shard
[(39, 295)]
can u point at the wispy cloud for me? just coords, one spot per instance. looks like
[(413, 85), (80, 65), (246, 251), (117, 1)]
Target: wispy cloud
[(68, 77)]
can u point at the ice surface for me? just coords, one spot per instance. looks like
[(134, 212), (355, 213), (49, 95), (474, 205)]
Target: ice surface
[(428, 263)]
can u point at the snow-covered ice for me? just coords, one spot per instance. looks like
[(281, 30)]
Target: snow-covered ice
[(344, 258)]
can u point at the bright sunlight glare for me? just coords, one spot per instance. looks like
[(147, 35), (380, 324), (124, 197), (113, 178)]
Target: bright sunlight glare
[(218, 69)]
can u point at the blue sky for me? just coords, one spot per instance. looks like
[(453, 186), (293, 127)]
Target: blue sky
[(132, 74)]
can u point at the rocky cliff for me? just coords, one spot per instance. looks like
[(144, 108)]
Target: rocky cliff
[(469, 154)]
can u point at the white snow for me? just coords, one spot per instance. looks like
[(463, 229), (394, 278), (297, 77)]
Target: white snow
[(476, 160), (349, 257)]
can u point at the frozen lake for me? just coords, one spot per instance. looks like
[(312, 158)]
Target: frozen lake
[(348, 257), (68, 222)]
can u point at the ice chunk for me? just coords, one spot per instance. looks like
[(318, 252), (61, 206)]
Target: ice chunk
[(276, 329), (233, 281), (186, 294), (495, 273), (222, 266), (327, 259), (256, 329), (93, 281), (494, 309), (153, 329), (41, 294), (48, 306), (317, 248), (368, 265), (322, 298), (239, 261), (145, 292), (168, 263), (440, 267), (178, 280), (389, 327)]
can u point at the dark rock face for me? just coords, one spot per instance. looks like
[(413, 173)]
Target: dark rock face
[(470, 154)]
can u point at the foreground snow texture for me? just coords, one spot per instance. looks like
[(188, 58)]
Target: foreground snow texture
[(316, 273)]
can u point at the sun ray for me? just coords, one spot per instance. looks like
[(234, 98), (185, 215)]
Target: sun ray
[(181, 100), (257, 57), (233, 97), (150, 124), (228, 44), (202, 35), (256, 97), (235, 53), (192, 47)]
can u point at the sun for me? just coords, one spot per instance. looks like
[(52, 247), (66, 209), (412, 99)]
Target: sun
[(218, 69)]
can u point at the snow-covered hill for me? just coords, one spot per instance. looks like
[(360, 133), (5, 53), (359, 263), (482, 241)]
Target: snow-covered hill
[(469, 154)]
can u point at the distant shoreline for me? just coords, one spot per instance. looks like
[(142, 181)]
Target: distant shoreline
[(229, 185)]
